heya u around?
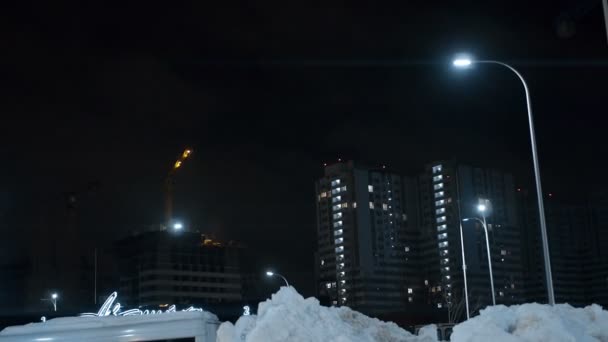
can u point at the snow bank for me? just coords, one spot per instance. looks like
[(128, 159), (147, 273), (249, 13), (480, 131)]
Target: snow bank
[(535, 322), (287, 316)]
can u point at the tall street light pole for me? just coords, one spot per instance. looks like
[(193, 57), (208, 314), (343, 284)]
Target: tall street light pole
[(465, 62), (464, 262), (485, 229)]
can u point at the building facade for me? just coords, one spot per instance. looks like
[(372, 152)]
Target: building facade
[(577, 233), (366, 239), (449, 193), (178, 267)]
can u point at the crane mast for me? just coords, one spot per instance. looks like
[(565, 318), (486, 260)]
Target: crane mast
[(170, 184)]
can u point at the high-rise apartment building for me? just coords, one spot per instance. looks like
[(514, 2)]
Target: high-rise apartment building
[(449, 193), (576, 233), (367, 239)]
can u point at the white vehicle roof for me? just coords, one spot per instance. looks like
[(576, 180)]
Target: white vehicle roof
[(201, 326)]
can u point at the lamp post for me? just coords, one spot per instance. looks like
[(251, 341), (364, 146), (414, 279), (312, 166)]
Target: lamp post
[(482, 209), (272, 274), (54, 297), (466, 62)]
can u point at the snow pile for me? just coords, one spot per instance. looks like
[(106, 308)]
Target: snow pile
[(287, 316), (535, 322)]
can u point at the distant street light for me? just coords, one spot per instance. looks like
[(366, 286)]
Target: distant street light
[(482, 209), (272, 274), (178, 226), (53, 300), (466, 62)]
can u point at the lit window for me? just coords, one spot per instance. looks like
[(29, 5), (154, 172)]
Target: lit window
[(447, 268), (439, 288), (337, 215), (339, 240), (371, 205), (342, 282), (343, 188), (334, 302), (340, 257), (337, 224), (335, 182), (341, 264), (336, 207), (437, 178), (442, 236), (439, 194), (503, 252), (407, 249), (328, 285), (439, 305), (384, 206), (442, 227), (410, 299), (443, 244), (441, 219), (439, 203), (445, 260), (444, 252), (426, 282), (438, 186), (338, 232), (340, 249), (354, 204), (410, 291), (336, 199), (343, 290), (404, 217), (437, 168), (342, 274), (335, 191), (344, 205), (447, 277), (322, 262), (440, 211), (323, 194), (500, 293), (370, 188)]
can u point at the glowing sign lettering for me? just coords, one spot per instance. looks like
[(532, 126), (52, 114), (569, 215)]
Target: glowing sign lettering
[(109, 308)]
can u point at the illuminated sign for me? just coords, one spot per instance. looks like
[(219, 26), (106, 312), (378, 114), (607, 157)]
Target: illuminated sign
[(110, 309)]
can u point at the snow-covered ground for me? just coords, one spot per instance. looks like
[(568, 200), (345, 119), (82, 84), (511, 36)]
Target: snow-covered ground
[(535, 322), (287, 316)]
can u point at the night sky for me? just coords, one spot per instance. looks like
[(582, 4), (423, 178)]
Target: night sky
[(99, 99)]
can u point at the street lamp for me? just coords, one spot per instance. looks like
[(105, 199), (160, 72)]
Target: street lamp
[(272, 274), (54, 297), (466, 62), (485, 229), (178, 226)]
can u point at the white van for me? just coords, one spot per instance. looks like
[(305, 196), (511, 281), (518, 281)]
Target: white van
[(182, 326)]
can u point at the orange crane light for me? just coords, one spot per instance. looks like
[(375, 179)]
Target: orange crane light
[(169, 185)]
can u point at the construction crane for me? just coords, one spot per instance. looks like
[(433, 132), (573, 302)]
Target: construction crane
[(169, 185)]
